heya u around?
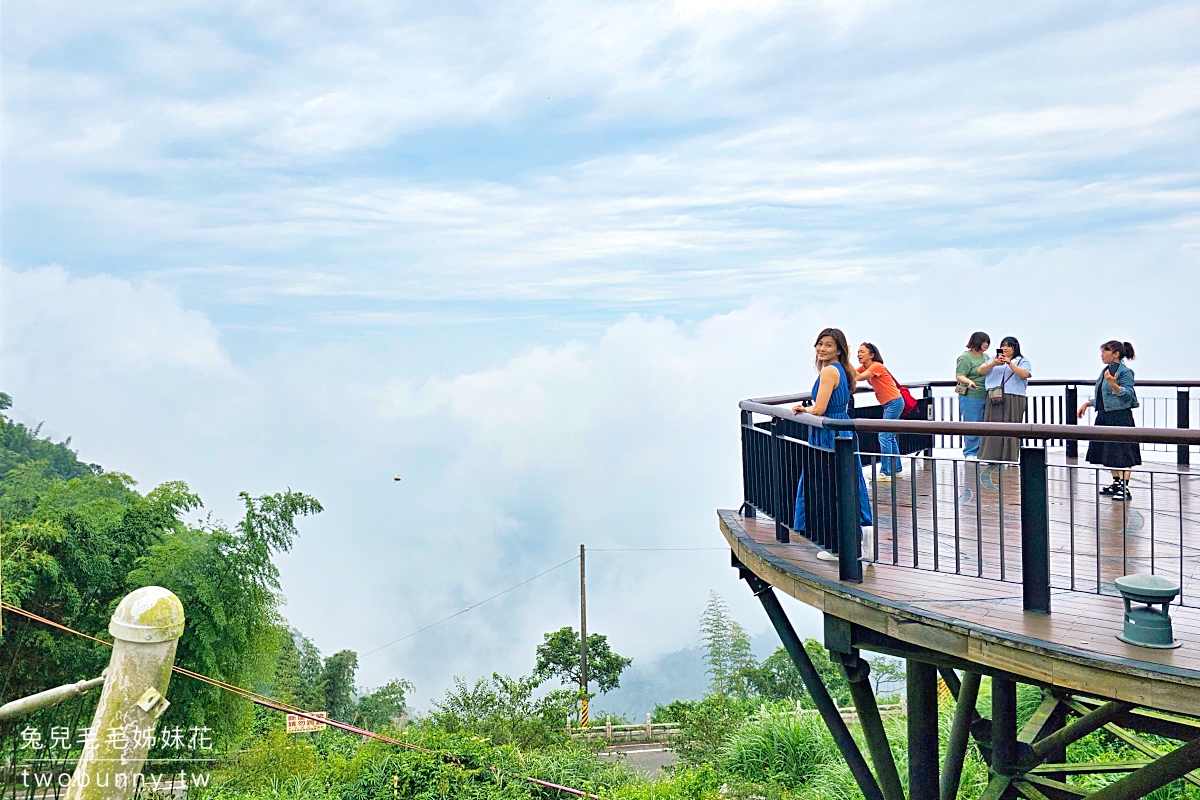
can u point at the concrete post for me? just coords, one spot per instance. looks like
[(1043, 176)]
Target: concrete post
[(146, 628)]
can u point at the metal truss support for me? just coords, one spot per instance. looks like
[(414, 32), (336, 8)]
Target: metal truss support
[(816, 688), (921, 679)]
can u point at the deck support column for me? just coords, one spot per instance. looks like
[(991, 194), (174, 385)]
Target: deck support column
[(921, 680), (960, 735), (816, 688), (1004, 726), (858, 672), (1172, 766)]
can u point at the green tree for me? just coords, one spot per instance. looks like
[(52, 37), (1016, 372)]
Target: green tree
[(777, 678), (505, 710), (338, 681), (727, 649), (558, 656), (70, 536), (229, 587), (382, 706)]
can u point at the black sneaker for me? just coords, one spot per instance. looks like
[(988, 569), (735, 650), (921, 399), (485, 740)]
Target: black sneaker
[(1116, 485), (1122, 493)]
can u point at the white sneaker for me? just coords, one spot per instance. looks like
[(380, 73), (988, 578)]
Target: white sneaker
[(825, 555), (972, 458), (868, 542), (883, 477)]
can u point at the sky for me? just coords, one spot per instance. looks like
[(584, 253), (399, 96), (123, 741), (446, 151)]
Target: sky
[(529, 256)]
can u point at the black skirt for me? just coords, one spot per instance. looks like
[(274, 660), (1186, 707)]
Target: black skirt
[(1115, 455)]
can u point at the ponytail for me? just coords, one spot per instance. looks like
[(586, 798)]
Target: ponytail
[(1123, 349)]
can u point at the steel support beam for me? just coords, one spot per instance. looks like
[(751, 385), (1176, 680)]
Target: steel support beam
[(816, 688), (921, 679), (858, 673), (960, 734)]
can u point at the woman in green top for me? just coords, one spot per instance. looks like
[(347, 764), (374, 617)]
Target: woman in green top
[(972, 397)]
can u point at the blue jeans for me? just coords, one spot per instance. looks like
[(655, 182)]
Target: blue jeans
[(864, 504), (972, 411), (888, 442)]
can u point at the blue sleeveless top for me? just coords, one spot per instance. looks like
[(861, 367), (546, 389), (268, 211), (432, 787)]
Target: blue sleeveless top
[(838, 408)]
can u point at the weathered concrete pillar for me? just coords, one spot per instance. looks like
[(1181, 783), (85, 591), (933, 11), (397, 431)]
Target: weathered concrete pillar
[(146, 628)]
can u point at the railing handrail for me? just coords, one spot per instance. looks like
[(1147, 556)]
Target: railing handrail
[(862, 389), (1022, 430)]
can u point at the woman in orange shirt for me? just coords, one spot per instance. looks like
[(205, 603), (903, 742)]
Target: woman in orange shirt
[(887, 392)]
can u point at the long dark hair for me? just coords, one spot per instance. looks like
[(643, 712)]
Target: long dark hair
[(1122, 349), (874, 351), (978, 340), (1011, 341), (843, 358)]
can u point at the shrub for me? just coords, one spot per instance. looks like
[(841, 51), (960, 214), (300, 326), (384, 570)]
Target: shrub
[(785, 748)]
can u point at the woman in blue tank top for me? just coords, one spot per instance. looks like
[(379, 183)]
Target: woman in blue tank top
[(831, 398)]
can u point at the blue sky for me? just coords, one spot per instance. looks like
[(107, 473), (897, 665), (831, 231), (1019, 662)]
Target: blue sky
[(530, 255)]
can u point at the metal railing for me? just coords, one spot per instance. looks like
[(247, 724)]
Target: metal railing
[(1163, 404), (1042, 523)]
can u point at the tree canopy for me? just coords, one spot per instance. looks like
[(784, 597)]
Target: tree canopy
[(727, 648), (558, 656)]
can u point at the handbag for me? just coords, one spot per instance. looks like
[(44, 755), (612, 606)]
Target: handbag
[(996, 393), (960, 389)]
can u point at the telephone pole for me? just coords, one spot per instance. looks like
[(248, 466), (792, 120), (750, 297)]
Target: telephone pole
[(583, 676)]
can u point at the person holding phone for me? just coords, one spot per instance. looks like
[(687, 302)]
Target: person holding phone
[(972, 397), (887, 393), (831, 398), (1006, 381), (1114, 401)]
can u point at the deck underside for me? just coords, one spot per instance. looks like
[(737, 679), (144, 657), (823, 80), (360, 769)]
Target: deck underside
[(980, 619)]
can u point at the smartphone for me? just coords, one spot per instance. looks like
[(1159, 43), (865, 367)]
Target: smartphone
[(1112, 369), (999, 352)]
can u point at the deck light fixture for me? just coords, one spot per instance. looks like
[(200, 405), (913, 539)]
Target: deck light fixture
[(1146, 625)]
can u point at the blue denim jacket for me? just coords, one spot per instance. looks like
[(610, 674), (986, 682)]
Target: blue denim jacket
[(1124, 397)]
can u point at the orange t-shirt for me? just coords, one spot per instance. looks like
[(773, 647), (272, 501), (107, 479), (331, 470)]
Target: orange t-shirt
[(883, 383)]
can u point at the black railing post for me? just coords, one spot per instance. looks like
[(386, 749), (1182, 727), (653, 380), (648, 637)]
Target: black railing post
[(1069, 417), (1035, 531), (747, 463), (1183, 420), (927, 394), (847, 472), (782, 533)]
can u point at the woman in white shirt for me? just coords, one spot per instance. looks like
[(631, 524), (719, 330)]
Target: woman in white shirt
[(1009, 372)]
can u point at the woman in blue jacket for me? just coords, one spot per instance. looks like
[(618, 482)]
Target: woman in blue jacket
[(1114, 402)]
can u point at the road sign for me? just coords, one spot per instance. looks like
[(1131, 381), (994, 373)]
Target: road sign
[(299, 724)]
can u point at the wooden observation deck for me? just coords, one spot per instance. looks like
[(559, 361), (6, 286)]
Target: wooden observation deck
[(1004, 570)]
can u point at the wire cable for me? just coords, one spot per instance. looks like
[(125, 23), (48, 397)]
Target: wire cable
[(468, 608), (276, 705)]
